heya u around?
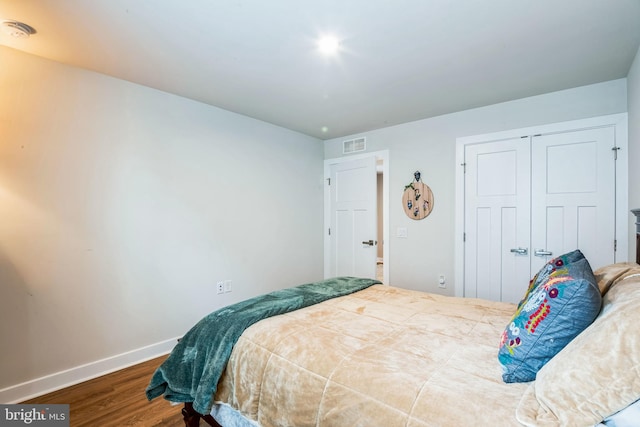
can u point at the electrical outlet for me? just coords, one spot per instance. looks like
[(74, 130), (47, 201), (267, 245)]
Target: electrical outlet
[(220, 287), (227, 286), (441, 281)]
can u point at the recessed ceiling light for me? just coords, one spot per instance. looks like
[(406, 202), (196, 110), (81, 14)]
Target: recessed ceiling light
[(324, 129), (328, 45), (17, 29)]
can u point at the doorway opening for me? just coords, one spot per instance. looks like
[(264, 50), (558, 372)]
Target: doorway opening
[(380, 266)]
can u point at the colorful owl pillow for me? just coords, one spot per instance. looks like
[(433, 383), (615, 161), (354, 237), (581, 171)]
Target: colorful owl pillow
[(562, 300)]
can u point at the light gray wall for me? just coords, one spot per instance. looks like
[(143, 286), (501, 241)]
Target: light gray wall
[(633, 97), (122, 206), (429, 146)]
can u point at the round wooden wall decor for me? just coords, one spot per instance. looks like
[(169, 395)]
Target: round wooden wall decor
[(417, 199)]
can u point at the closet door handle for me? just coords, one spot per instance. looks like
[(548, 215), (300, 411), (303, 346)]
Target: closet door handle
[(369, 242), (520, 251), (542, 252)]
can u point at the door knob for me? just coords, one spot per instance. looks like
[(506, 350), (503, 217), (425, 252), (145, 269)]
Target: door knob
[(369, 242), (542, 252), (520, 251)]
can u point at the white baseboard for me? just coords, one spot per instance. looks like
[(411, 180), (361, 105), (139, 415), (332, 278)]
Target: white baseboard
[(39, 386)]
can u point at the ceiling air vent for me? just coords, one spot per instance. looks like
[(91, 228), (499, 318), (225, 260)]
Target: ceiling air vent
[(354, 145)]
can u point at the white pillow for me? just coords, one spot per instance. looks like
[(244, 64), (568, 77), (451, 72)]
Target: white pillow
[(628, 417), (595, 375)]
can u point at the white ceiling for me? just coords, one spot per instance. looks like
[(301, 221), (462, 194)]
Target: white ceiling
[(400, 61)]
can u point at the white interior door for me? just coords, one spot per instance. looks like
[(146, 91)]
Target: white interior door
[(573, 195), (353, 228), (497, 210)]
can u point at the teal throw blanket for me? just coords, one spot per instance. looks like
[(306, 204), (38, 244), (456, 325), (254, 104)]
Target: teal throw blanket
[(193, 369)]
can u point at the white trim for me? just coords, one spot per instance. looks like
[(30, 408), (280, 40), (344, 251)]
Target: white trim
[(618, 121), (380, 155), (49, 383)]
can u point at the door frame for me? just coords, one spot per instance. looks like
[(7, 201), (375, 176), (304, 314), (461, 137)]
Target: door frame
[(379, 155), (617, 121)]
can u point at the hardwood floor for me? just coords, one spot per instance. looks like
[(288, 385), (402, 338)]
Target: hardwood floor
[(117, 399)]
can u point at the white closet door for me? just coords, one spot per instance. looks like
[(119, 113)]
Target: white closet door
[(573, 196), (497, 212)]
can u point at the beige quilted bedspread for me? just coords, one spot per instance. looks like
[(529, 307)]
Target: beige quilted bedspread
[(380, 357)]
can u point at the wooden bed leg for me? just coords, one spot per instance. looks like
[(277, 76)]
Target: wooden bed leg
[(192, 418)]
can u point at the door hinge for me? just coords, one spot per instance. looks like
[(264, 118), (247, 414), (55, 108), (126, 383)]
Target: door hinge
[(615, 152), (328, 181), (329, 232), (464, 167), (615, 245), (464, 237)]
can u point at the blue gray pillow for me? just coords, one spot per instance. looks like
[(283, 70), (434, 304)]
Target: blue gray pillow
[(562, 300)]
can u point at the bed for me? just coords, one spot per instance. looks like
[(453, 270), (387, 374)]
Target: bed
[(378, 355)]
